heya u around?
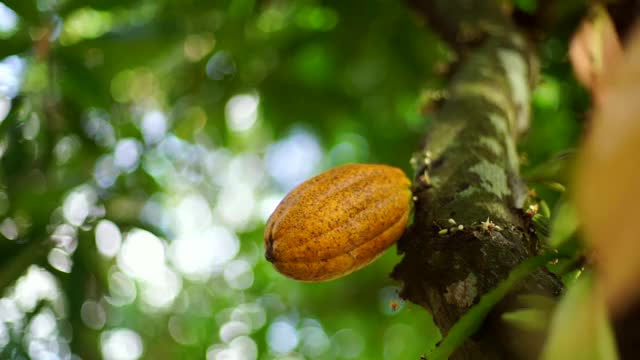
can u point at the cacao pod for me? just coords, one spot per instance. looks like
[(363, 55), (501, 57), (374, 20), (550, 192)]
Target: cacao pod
[(338, 222)]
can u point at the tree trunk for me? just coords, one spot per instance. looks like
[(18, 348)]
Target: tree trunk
[(469, 228)]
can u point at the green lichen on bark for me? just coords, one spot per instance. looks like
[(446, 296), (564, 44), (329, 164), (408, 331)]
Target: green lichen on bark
[(493, 178), (491, 144)]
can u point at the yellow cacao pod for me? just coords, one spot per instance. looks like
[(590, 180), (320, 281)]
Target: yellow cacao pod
[(338, 221)]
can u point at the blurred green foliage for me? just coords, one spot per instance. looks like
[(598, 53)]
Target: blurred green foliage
[(147, 141)]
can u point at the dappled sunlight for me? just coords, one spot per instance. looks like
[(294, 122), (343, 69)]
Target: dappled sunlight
[(122, 290), (11, 72), (349, 344), (314, 342), (93, 314), (78, 205), (239, 274), (65, 237), (60, 260), (294, 159), (8, 20), (98, 127), (108, 238), (153, 126), (351, 148), (36, 285), (142, 257), (160, 296), (282, 336), (153, 141), (236, 205), (121, 344), (9, 229), (242, 347), (45, 332), (242, 112), (66, 149), (85, 23), (196, 46), (127, 154), (202, 253), (192, 214), (134, 85), (220, 65), (9, 312)]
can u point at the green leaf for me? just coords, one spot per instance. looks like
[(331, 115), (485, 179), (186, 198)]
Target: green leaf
[(564, 224), (470, 322), (527, 319), (536, 301), (541, 225), (544, 209), (580, 328), (528, 6), (555, 172)]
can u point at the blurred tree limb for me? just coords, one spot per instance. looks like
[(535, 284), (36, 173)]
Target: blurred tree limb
[(470, 230)]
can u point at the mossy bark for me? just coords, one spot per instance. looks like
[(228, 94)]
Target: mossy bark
[(469, 228)]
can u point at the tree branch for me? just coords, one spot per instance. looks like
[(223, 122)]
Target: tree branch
[(469, 228)]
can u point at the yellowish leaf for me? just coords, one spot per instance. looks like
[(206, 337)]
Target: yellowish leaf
[(595, 49), (580, 328), (608, 181)]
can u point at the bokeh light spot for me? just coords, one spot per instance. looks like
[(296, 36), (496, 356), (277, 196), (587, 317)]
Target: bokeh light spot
[(153, 126), (193, 214), (36, 285), (93, 314), (78, 204), (282, 336), (11, 71), (294, 159), (142, 256), (238, 274), (233, 329), (547, 94), (122, 290), (242, 111), (199, 254), (85, 23), (8, 21), (349, 344), (196, 46), (314, 342), (181, 330), (5, 107), (220, 65), (252, 314), (390, 301), (66, 148), (127, 154), (161, 294), (98, 127), (121, 344), (395, 339), (5, 337), (317, 18), (60, 260), (235, 205), (108, 238), (9, 229)]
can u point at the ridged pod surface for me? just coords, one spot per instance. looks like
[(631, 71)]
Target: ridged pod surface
[(338, 222)]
